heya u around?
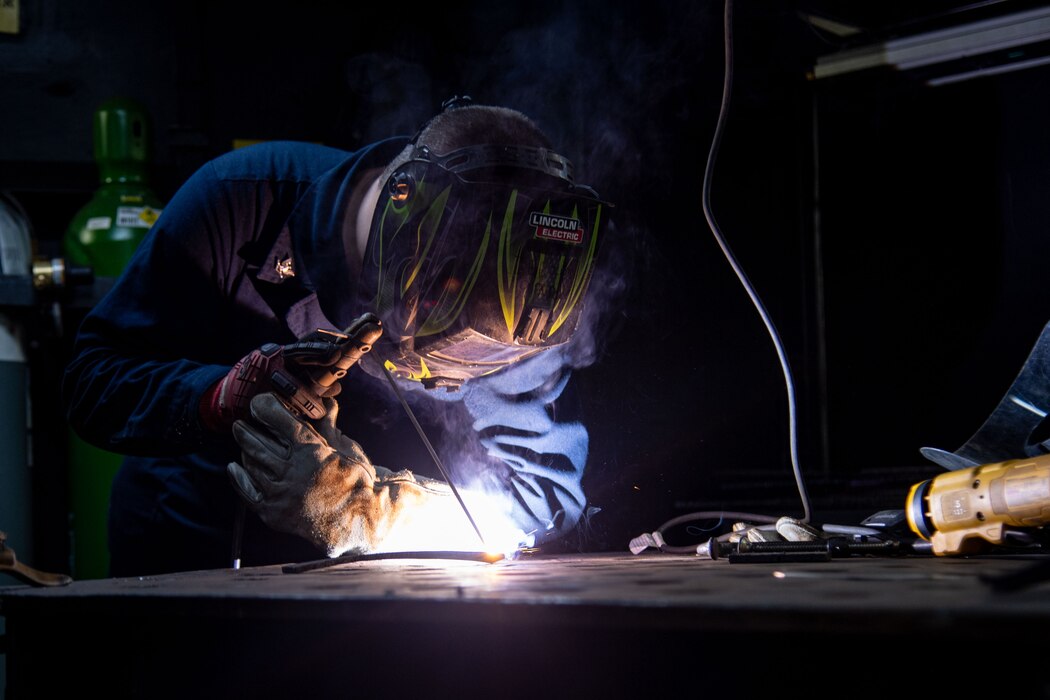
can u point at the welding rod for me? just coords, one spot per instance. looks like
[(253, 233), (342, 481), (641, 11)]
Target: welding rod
[(238, 534), (426, 442), (303, 567)]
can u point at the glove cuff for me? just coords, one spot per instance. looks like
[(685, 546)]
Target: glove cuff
[(212, 416)]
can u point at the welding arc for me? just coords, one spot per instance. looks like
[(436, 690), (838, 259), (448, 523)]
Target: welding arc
[(426, 442)]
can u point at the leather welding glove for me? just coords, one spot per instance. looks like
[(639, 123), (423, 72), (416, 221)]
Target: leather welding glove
[(272, 367), (297, 482), (335, 438)]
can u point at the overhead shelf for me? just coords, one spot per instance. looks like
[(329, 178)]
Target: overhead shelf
[(989, 46)]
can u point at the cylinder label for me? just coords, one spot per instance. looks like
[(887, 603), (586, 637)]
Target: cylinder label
[(136, 217)]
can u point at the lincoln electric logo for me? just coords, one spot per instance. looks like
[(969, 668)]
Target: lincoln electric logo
[(556, 228)]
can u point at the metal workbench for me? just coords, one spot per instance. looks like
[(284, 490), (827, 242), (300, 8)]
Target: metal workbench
[(582, 626)]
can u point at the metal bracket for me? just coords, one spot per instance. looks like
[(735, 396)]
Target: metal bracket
[(1008, 432)]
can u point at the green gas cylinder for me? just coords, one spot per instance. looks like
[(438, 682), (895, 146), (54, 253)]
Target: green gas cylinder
[(107, 230), (103, 235)]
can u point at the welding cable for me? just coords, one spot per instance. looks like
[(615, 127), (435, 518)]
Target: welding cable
[(656, 538), (727, 85)]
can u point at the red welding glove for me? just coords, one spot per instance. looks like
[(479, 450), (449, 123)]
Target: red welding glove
[(278, 368), (326, 489)]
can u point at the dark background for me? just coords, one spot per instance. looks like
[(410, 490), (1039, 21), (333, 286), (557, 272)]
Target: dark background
[(894, 231)]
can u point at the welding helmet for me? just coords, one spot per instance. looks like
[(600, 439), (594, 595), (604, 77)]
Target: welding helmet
[(478, 259)]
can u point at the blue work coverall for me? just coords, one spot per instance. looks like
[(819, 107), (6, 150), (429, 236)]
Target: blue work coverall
[(210, 283)]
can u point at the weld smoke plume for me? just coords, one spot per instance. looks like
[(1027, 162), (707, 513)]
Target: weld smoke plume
[(607, 83)]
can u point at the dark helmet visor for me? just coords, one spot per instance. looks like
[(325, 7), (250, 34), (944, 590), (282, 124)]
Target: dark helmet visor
[(479, 259)]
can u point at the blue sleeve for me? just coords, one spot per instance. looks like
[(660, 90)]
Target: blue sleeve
[(517, 422), (138, 366)]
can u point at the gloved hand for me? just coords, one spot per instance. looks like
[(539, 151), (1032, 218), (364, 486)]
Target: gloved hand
[(277, 368), (320, 485)]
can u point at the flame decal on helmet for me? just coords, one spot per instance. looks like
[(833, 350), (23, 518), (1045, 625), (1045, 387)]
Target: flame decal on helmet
[(583, 271), (507, 266), (431, 222), (392, 224), (401, 213), (423, 373)]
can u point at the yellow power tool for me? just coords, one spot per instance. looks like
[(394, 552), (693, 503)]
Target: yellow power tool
[(966, 510)]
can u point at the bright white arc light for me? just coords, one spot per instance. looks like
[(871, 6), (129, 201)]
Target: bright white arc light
[(439, 524)]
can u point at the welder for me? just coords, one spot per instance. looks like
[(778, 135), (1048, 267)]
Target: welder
[(267, 253)]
